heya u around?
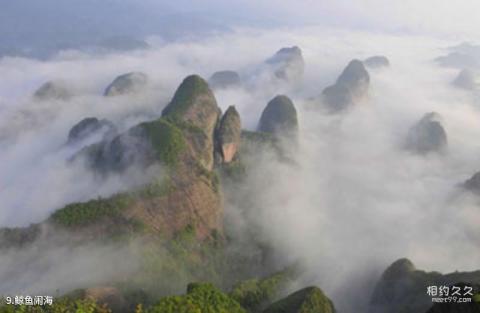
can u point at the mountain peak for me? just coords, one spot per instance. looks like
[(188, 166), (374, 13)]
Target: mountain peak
[(280, 116), (351, 86), (126, 84)]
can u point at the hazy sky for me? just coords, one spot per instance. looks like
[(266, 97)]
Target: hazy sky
[(432, 16), (456, 18)]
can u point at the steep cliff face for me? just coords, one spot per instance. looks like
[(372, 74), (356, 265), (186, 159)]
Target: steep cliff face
[(228, 135), (194, 107)]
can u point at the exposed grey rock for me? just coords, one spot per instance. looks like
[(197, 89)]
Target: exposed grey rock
[(228, 134), (465, 80), (127, 84), (52, 91), (224, 79), (351, 86), (377, 61), (90, 126), (427, 135), (288, 64), (279, 117)]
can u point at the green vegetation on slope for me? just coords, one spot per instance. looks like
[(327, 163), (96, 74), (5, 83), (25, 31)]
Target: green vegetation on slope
[(81, 214), (168, 265), (200, 298), (307, 300), (254, 294), (167, 140), (86, 213), (186, 95)]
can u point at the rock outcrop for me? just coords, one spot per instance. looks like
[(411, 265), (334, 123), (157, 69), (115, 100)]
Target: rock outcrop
[(427, 135), (187, 125), (228, 135), (182, 141), (307, 300), (288, 64), (403, 288), (350, 88), (129, 83), (377, 61), (91, 126), (195, 104), (279, 117), (52, 91), (466, 80), (224, 79)]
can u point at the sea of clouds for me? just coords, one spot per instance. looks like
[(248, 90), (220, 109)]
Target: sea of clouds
[(354, 202)]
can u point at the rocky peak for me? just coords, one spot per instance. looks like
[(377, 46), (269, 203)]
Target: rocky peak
[(351, 87), (126, 84), (465, 79), (224, 79), (377, 61), (427, 135), (288, 63), (355, 76), (398, 269), (195, 105), (287, 54), (52, 91), (182, 142), (228, 134), (90, 126), (279, 117)]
